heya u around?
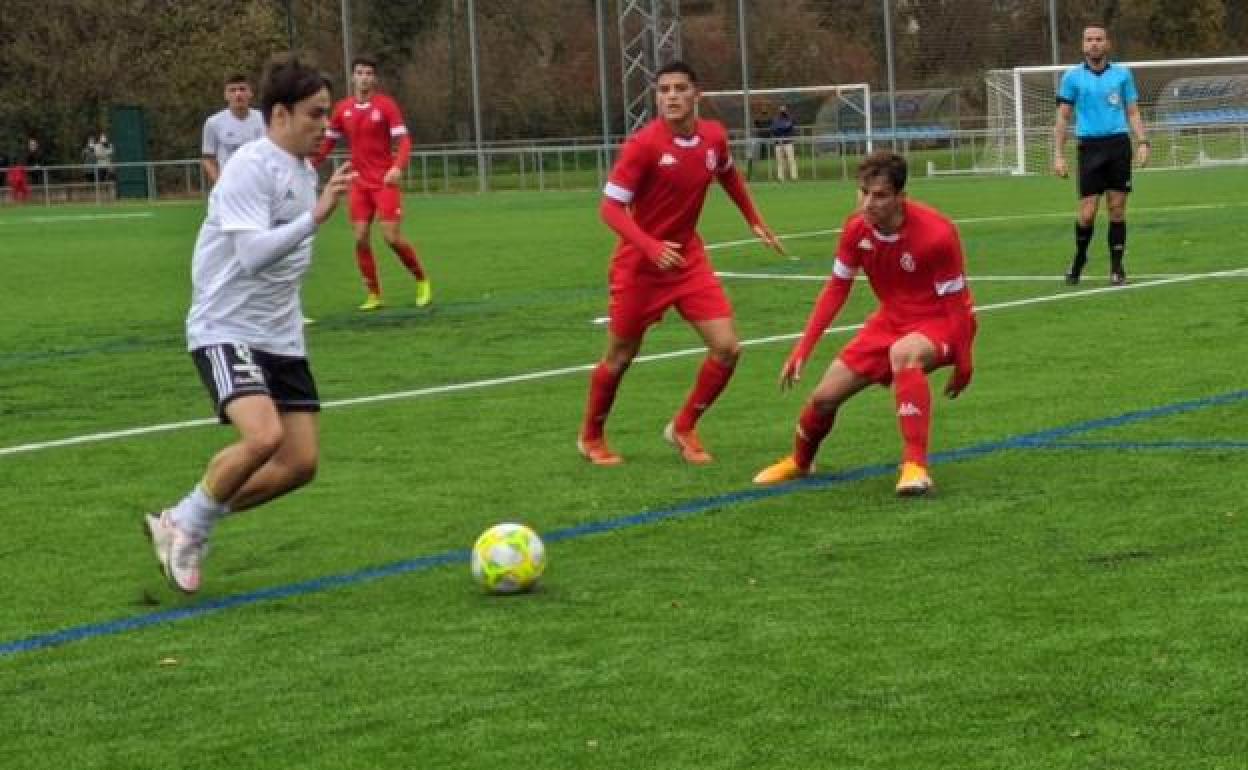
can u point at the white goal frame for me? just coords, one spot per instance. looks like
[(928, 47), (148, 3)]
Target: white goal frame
[(1020, 129), (837, 89)]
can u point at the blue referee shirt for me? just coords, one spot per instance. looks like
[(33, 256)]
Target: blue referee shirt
[(1100, 99)]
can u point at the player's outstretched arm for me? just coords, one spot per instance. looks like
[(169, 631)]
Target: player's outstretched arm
[(826, 309), (730, 179)]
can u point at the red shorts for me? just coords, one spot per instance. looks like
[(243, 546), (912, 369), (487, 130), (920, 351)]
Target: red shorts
[(384, 202), (642, 303), (867, 353)]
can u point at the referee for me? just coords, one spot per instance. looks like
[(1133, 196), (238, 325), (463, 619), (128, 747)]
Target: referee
[(1103, 98)]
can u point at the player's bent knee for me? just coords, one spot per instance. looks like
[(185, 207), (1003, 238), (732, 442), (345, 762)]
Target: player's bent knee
[(263, 443)]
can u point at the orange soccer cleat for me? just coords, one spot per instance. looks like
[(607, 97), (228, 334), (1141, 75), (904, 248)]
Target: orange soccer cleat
[(597, 451), (688, 444)]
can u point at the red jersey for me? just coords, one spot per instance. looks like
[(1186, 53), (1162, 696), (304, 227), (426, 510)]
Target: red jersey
[(370, 129), (663, 178), (910, 271)]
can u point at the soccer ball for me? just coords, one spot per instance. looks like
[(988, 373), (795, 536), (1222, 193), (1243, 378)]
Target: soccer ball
[(508, 558)]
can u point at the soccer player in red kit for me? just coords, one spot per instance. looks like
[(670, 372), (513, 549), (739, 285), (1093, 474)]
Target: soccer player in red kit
[(372, 122), (652, 200), (912, 256)]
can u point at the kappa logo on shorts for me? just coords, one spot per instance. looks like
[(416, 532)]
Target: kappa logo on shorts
[(907, 262)]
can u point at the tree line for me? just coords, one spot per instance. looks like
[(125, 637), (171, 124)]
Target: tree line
[(63, 63)]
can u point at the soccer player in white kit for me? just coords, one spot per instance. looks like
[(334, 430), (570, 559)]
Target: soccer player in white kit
[(231, 128), (245, 329)]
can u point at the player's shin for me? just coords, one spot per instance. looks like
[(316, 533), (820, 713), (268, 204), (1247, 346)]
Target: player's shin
[(713, 377), (913, 396), (812, 427), (368, 269), (603, 384)]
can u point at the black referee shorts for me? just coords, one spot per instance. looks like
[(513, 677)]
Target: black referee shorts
[(1104, 164)]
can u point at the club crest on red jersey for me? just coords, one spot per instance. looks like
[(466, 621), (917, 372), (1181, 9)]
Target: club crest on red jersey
[(907, 262), (711, 161), (376, 116)]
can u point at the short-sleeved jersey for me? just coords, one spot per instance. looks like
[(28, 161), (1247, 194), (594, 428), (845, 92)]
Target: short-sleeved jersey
[(1100, 99), (663, 178), (262, 187), (910, 271), (370, 128), (224, 133)]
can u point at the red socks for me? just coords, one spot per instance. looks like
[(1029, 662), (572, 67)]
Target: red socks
[(407, 255), (368, 268), (602, 386), (812, 427), (914, 412), (712, 379)]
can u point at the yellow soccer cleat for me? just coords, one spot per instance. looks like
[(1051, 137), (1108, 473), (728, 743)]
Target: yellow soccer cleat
[(372, 302), (786, 469), (424, 293), (914, 481)]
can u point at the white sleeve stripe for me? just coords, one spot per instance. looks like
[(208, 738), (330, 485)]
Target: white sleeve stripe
[(843, 271), (398, 130), (617, 193), (951, 287)]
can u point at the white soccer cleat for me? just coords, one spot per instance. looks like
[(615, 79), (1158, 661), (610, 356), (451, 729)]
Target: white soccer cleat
[(179, 554)]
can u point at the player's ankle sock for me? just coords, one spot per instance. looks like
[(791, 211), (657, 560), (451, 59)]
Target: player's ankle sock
[(812, 427), (407, 255), (197, 512), (1117, 244), (1083, 236), (368, 268), (602, 386), (913, 396), (712, 379)]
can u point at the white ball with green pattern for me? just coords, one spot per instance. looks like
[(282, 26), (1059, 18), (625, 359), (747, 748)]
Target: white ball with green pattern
[(508, 558)]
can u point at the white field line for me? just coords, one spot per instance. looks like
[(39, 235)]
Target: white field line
[(52, 219), (972, 278), (1003, 218), (550, 373)]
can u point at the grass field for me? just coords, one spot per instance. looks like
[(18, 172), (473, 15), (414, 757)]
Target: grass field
[(1073, 596)]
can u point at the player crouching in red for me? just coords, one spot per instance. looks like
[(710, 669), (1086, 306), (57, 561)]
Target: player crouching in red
[(912, 256), (653, 198)]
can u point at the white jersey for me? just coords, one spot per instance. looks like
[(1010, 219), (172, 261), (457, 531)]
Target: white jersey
[(224, 133), (263, 188)]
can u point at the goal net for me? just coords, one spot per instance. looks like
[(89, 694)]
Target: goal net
[(1196, 112), (821, 113)]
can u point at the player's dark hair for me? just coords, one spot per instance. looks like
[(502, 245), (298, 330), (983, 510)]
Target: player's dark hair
[(237, 77), (364, 59), (886, 164), (676, 67), (288, 81), (1094, 25)]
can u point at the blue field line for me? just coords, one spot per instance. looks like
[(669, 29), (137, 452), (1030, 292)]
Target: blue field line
[(1135, 446), (1038, 439)]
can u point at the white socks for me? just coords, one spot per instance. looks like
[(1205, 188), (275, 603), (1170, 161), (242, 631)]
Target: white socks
[(197, 513)]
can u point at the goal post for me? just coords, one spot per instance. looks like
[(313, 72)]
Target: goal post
[(1196, 111), (842, 110)]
